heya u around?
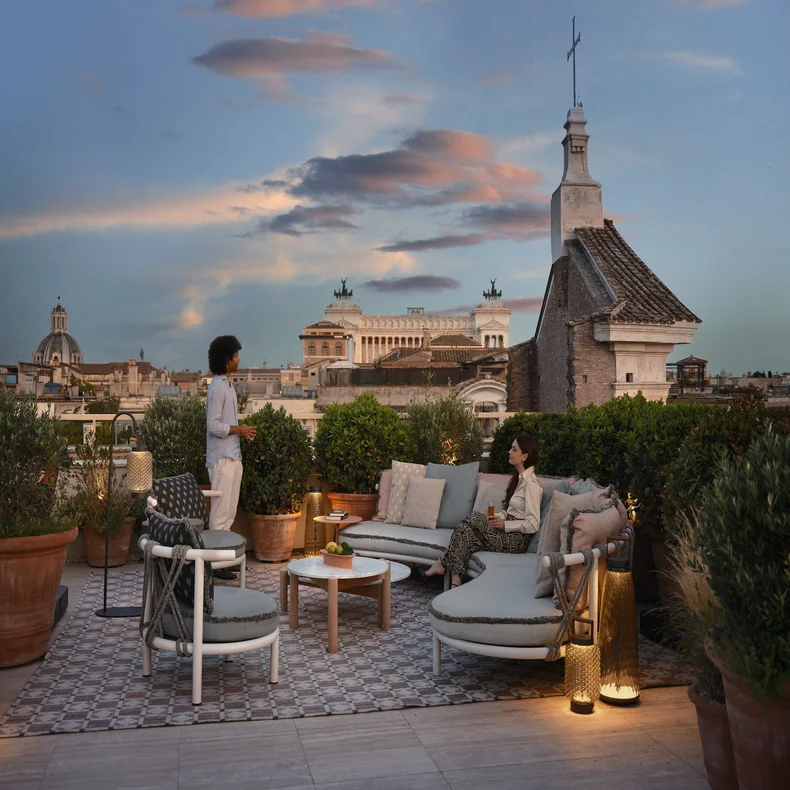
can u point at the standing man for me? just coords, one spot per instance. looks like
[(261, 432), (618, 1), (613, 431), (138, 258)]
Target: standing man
[(223, 453)]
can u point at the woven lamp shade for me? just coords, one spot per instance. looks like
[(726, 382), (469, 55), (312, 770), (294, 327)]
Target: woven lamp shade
[(314, 534), (139, 472), (618, 638), (582, 673)]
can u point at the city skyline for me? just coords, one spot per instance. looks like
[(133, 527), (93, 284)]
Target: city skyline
[(182, 170)]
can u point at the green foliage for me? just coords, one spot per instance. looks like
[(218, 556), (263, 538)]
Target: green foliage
[(277, 464), (70, 432), (174, 430), (32, 454), (355, 441), (743, 539), (87, 507), (521, 423), (105, 406), (444, 431)]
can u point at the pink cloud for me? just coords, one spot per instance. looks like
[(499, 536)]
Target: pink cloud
[(284, 8), (497, 78)]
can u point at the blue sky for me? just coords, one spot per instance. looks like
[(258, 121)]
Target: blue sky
[(178, 170)]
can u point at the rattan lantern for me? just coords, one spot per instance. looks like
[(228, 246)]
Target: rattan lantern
[(582, 669), (139, 472), (618, 638), (314, 533)]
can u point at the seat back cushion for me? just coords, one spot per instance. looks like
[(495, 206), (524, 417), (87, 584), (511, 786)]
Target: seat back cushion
[(179, 532), (459, 491), (489, 477), (180, 497), (585, 529), (584, 486), (551, 531), (401, 472), (490, 492), (548, 485), (423, 501), (385, 484)]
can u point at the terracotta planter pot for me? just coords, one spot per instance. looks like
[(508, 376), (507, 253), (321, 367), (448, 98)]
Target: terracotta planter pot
[(118, 552), (760, 736), (30, 571), (273, 536), (714, 732), (362, 505)]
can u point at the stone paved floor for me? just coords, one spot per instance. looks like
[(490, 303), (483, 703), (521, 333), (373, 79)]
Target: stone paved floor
[(514, 744)]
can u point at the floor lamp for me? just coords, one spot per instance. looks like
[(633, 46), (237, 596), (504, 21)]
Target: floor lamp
[(139, 479)]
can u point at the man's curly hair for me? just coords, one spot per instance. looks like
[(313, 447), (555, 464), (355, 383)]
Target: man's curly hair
[(220, 352)]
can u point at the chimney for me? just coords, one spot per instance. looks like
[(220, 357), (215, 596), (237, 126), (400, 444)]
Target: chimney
[(577, 201)]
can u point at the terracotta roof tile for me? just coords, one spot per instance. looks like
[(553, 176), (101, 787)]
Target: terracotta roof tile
[(454, 340)]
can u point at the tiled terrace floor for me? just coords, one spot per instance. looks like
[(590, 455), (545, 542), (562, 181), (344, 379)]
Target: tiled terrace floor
[(514, 744)]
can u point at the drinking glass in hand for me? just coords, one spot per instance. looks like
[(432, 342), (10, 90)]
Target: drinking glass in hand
[(490, 509)]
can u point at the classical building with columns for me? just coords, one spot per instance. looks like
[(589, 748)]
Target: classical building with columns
[(607, 322), (374, 336)]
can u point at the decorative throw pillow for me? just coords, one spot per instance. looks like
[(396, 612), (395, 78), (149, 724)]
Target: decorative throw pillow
[(551, 532), (488, 477), (177, 532), (584, 486), (401, 472), (586, 529), (490, 492), (180, 497), (423, 500), (459, 492), (385, 484), (548, 486)]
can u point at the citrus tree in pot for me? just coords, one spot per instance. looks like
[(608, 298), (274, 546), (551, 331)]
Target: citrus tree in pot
[(277, 465), (743, 539), (353, 443), (34, 536), (87, 507)]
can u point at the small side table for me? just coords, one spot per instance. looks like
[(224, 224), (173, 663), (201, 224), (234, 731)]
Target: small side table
[(338, 525)]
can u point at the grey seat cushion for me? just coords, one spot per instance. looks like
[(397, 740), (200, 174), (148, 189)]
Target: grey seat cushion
[(224, 539), (498, 607), (238, 615), (378, 537)]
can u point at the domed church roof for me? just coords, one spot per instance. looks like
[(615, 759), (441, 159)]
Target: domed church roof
[(58, 347)]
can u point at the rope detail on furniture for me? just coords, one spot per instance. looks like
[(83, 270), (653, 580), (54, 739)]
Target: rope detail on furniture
[(164, 597)]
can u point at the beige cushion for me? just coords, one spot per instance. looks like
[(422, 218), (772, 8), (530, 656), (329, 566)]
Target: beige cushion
[(551, 532), (490, 492), (375, 539), (385, 484), (401, 472), (586, 529), (423, 501)]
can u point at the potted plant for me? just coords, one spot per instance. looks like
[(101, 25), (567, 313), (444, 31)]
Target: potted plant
[(353, 443), (34, 536), (743, 539), (277, 466), (87, 507), (690, 613)]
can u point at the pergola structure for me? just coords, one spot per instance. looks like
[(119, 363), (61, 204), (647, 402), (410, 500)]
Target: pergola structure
[(690, 372)]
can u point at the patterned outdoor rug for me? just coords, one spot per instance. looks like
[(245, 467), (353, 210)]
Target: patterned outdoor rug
[(92, 677)]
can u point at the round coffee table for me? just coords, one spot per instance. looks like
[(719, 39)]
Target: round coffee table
[(338, 525), (367, 577)]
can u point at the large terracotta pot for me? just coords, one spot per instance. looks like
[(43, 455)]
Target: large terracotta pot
[(714, 732), (118, 552), (30, 571), (760, 735), (362, 505), (273, 536)]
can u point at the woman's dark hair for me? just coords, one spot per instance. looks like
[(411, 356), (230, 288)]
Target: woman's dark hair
[(220, 352), (528, 445)]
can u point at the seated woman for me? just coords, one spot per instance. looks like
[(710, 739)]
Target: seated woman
[(508, 531)]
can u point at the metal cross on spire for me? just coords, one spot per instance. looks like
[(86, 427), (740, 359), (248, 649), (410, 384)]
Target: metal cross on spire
[(572, 51)]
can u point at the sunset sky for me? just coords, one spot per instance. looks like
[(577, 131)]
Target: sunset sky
[(180, 170)]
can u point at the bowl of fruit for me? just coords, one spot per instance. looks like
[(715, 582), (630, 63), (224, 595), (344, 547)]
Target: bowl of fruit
[(341, 555)]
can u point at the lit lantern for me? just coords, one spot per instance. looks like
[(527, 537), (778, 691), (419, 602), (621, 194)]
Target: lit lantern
[(139, 472), (618, 637), (314, 533), (582, 670)]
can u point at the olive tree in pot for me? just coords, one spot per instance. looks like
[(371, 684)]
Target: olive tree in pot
[(743, 539), (690, 614), (87, 507), (277, 465), (34, 535), (354, 442)]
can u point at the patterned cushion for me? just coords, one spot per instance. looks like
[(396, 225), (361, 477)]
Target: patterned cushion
[(423, 500), (180, 497), (401, 472), (177, 532)]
